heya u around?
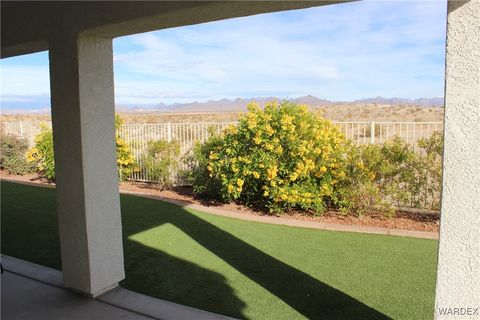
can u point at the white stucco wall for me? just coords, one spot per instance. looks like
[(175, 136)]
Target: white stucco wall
[(458, 274)]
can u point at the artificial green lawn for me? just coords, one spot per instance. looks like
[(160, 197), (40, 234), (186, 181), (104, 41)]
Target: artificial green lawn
[(239, 268)]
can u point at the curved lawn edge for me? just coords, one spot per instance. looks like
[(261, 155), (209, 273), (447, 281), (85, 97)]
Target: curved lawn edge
[(264, 219), (290, 222)]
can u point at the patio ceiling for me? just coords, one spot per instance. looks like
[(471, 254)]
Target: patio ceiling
[(27, 26)]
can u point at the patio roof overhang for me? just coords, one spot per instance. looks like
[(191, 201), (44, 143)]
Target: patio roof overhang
[(27, 26)]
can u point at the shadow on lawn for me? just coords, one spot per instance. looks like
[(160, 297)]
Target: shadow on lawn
[(192, 285), (29, 231)]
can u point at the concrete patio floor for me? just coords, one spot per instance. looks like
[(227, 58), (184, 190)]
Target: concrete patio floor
[(24, 298), (31, 291)]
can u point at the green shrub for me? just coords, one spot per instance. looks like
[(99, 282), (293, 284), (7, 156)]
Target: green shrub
[(430, 174), (161, 161), (356, 191), (278, 158), (198, 163), (378, 177), (384, 175), (12, 155), (42, 154), (396, 169)]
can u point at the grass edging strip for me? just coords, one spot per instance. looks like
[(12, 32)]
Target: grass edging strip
[(268, 219)]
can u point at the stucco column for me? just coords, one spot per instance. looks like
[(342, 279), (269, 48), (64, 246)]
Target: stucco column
[(458, 274), (88, 204)]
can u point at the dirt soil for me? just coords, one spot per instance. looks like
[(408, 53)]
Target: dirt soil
[(403, 219)]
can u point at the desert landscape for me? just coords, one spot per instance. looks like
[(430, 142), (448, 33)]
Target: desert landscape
[(334, 113), (374, 109)]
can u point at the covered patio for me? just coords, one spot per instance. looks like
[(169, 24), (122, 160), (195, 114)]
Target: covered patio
[(79, 38)]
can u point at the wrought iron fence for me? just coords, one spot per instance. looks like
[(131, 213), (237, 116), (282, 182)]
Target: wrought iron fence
[(137, 136), (24, 130)]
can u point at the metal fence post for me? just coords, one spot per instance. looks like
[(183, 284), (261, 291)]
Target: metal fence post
[(20, 127), (372, 132), (169, 132)]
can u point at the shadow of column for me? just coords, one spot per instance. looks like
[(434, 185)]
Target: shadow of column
[(307, 295)]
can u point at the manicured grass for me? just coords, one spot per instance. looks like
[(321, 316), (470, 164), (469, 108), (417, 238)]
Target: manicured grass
[(239, 268)]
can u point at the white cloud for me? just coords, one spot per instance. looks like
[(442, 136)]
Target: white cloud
[(24, 80)]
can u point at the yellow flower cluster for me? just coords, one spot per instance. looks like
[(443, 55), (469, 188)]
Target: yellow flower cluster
[(294, 196), (32, 155), (272, 172), (213, 156), (125, 159), (124, 156), (42, 153)]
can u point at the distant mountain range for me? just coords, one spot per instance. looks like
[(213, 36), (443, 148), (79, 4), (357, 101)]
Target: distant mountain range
[(423, 102), (239, 104)]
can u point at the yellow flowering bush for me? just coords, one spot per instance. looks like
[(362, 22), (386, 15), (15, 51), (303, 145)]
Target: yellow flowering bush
[(278, 158), (125, 160), (42, 154)]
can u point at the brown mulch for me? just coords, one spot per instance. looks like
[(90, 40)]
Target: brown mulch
[(405, 220)]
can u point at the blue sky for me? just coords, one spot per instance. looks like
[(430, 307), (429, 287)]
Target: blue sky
[(338, 52)]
